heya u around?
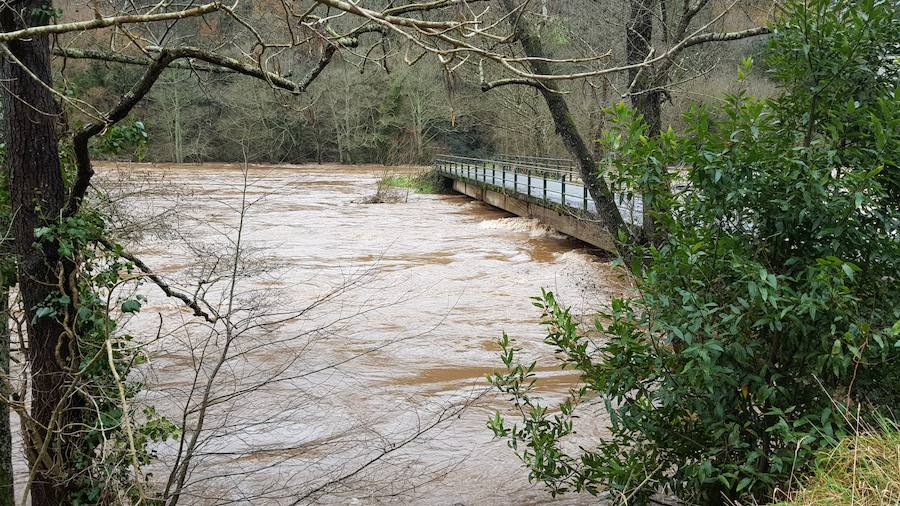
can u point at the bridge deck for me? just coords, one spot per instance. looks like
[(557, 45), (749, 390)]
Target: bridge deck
[(555, 181)]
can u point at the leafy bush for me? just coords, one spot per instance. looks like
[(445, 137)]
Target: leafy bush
[(770, 307), (116, 140)]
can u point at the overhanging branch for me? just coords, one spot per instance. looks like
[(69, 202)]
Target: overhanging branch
[(81, 26), (486, 86), (166, 289), (725, 36), (113, 57), (166, 57)]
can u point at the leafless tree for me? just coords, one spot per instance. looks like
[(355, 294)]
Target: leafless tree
[(480, 33), (251, 368)]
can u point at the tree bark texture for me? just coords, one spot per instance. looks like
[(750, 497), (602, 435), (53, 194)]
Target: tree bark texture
[(645, 92), (37, 195), (604, 200), (645, 97), (7, 497)]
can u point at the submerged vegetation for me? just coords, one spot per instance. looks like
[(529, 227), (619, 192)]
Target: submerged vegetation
[(430, 182), (393, 188)]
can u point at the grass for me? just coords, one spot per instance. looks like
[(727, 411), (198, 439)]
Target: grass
[(861, 470), (394, 188), (428, 182)]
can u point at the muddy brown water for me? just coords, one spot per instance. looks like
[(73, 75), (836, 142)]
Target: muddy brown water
[(433, 282)]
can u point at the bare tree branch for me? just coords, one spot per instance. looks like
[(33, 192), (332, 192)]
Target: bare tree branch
[(475, 27), (725, 36), (165, 287), (426, 6), (142, 87), (81, 26), (85, 169), (486, 86), (113, 57)]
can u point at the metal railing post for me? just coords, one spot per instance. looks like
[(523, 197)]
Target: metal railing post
[(546, 168)]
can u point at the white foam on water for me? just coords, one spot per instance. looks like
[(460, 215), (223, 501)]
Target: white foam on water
[(576, 257), (534, 228)]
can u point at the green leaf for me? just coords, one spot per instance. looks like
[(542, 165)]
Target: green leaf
[(848, 271), (131, 306), (43, 312)]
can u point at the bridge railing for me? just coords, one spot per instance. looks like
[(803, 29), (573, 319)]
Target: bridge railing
[(553, 168), (544, 183), (553, 185), (564, 164)]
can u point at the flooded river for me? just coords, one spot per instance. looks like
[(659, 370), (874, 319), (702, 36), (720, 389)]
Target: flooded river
[(354, 336)]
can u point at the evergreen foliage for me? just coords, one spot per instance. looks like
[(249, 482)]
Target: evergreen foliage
[(770, 310)]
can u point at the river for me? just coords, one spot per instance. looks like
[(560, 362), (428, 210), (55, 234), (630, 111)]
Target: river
[(325, 398)]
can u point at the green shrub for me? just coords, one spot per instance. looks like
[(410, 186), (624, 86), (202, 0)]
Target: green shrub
[(770, 307)]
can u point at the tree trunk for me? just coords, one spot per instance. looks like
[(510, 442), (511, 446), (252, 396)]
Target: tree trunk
[(645, 98), (7, 279), (37, 195), (7, 498), (638, 41), (176, 130), (608, 211), (598, 117)]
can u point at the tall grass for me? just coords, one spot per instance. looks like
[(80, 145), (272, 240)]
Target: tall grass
[(863, 469)]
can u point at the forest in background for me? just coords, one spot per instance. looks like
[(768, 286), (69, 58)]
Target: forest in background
[(390, 106)]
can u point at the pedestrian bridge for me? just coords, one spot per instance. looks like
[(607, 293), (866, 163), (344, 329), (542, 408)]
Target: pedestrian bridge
[(547, 189)]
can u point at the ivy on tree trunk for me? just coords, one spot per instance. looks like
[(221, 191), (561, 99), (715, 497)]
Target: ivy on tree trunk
[(37, 194)]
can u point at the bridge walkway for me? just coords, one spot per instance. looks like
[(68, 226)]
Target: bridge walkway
[(552, 181)]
